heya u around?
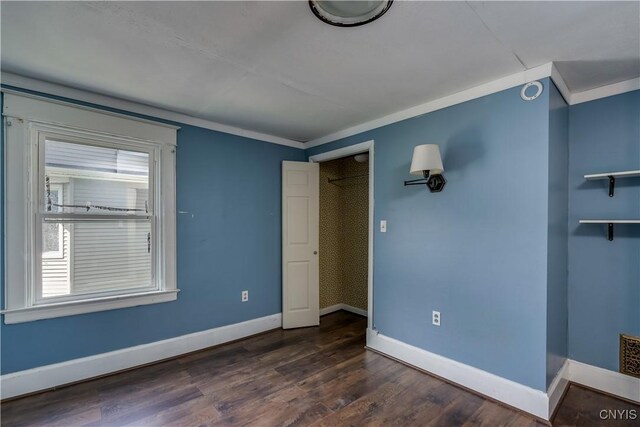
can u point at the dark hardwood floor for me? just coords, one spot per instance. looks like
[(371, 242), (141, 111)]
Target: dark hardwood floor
[(313, 376)]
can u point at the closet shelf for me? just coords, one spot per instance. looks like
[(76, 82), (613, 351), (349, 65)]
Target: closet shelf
[(610, 223), (611, 176), (334, 180)]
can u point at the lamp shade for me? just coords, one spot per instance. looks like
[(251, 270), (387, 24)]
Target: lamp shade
[(426, 157)]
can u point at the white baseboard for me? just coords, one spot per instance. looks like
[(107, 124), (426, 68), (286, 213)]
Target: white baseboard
[(346, 307), (608, 381), (558, 386), (330, 309), (45, 377), (535, 402), (527, 399)]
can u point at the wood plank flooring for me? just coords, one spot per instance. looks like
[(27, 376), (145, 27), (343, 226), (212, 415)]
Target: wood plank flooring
[(307, 377)]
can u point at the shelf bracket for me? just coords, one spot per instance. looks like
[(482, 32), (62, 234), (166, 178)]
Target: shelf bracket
[(610, 231), (612, 184)]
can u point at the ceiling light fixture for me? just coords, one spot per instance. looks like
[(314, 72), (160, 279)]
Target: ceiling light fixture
[(361, 158), (349, 13)]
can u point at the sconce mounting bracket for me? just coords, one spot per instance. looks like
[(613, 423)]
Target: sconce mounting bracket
[(436, 183)]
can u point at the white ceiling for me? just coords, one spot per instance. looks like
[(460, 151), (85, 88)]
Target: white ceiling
[(272, 67)]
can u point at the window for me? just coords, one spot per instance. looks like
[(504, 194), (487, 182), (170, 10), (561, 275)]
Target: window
[(98, 210), (53, 234)]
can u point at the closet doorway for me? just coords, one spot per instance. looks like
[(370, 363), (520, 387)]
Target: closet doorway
[(346, 230)]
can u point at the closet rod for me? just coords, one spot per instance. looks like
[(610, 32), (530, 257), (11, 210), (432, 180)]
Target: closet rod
[(348, 177)]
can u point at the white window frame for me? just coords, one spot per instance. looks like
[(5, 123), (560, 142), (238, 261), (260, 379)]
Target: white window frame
[(59, 254), (28, 120), (39, 135)]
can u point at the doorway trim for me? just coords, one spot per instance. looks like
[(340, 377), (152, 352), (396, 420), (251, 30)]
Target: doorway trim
[(363, 147)]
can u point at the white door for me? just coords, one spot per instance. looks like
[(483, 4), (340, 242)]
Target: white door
[(300, 229)]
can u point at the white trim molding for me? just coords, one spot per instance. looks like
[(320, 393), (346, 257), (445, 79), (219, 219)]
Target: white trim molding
[(605, 91), (494, 86), (345, 307), (558, 386), (93, 305), (605, 380), (362, 147), (55, 89), (498, 85), (527, 399), (29, 121), (349, 150), (558, 80), (46, 377)]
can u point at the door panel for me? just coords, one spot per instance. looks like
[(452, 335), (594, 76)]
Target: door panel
[(300, 229), (299, 273), (298, 224)]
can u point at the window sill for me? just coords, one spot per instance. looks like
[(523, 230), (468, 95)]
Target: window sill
[(51, 311)]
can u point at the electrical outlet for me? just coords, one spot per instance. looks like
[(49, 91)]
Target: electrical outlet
[(245, 296), (435, 318)]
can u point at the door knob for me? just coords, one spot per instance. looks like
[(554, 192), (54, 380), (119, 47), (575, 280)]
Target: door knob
[(315, 252)]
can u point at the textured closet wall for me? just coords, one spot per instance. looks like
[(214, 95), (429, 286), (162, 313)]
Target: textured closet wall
[(330, 225), (344, 210)]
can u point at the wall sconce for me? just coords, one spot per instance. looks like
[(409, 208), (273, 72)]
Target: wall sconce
[(428, 163)]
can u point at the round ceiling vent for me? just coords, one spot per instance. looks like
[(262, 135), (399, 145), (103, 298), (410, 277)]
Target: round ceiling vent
[(349, 13)]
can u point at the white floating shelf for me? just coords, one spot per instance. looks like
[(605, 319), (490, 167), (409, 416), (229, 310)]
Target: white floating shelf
[(610, 223), (625, 174), (612, 176)]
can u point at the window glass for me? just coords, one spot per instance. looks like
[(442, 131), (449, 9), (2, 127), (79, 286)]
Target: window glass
[(52, 233), (102, 180), (104, 256), (91, 254)]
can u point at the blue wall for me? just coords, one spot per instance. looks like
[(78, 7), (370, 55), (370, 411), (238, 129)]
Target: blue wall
[(229, 241), (604, 277), (557, 235), (487, 252), (477, 252)]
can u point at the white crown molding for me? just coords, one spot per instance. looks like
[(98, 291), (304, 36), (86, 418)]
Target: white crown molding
[(49, 376), (494, 86), (560, 84), (522, 77), (507, 82), (605, 91), (102, 111), (36, 85)]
